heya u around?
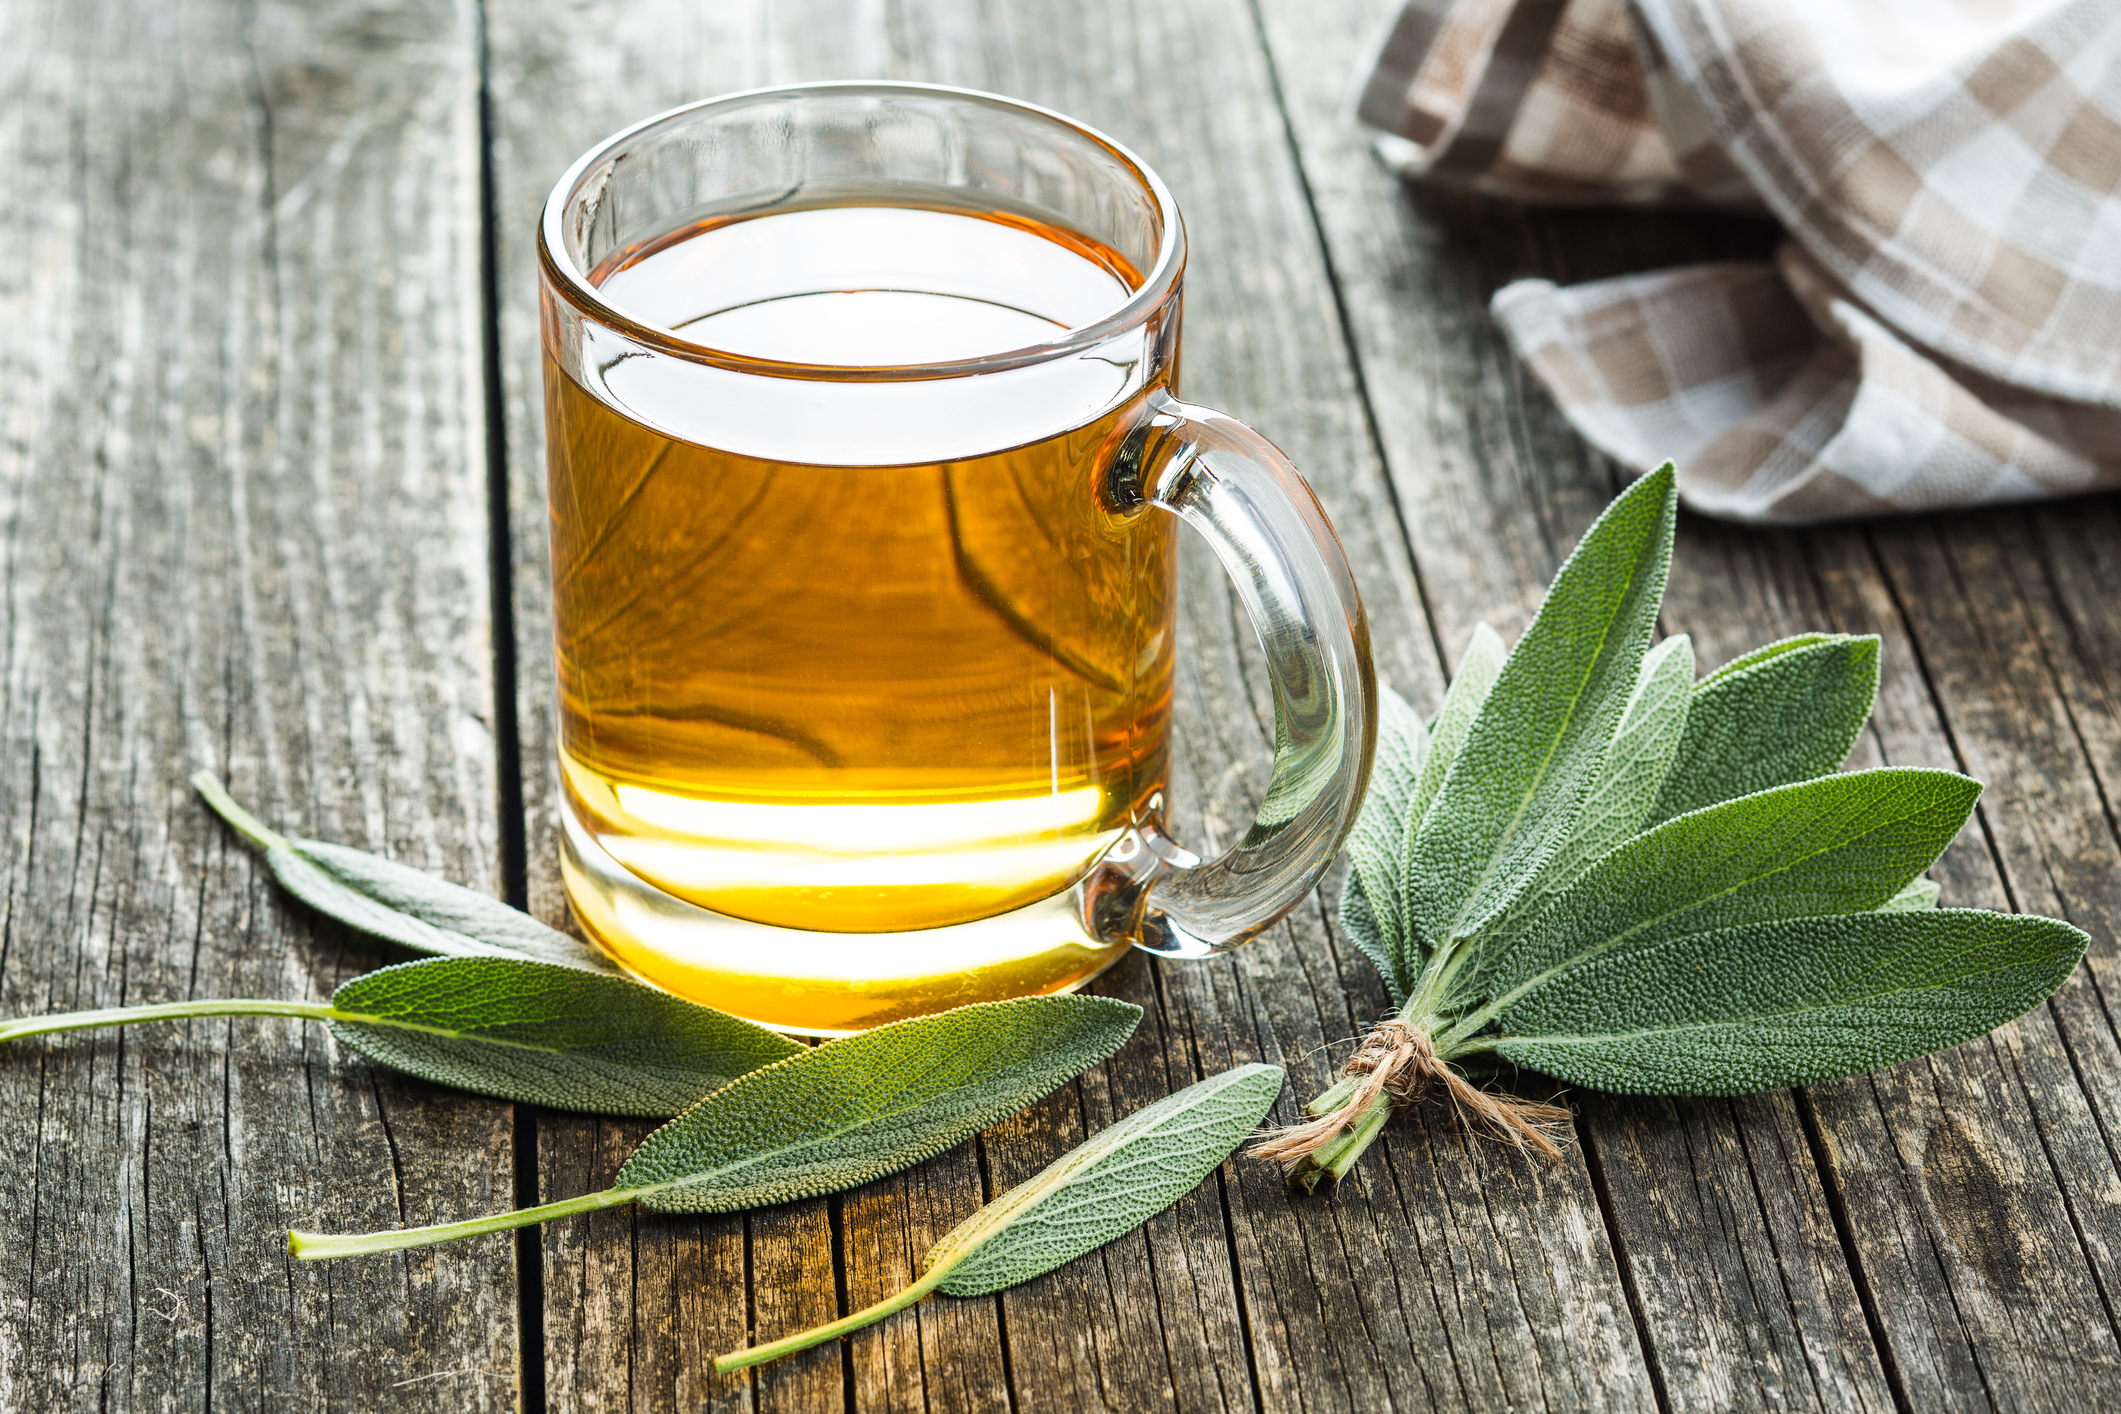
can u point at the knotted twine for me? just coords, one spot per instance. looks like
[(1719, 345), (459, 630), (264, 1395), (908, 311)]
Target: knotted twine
[(1398, 1061)]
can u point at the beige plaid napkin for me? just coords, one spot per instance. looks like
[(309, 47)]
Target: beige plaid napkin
[(1942, 329)]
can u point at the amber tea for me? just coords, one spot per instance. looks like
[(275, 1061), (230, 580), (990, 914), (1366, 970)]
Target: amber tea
[(847, 698), (865, 470)]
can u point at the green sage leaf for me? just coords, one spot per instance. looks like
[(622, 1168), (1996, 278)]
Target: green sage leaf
[(1376, 843), (1787, 712), (863, 1106), (1359, 925), (396, 903), (1918, 895), (505, 1026), (1839, 844), (1534, 748), (1632, 772), (1468, 693), (549, 1035), (1793, 1002), (1106, 1187), (828, 1118), (1770, 650), (464, 918), (1100, 1190), (1408, 943)]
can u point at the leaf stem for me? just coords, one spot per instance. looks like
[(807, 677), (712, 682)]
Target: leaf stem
[(1334, 1097), (322, 1246), (240, 820), (1339, 1155), (846, 1325), (162, 1011), (1361, 1128)]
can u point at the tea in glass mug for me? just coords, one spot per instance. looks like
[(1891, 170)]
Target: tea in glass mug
[(865, 471)]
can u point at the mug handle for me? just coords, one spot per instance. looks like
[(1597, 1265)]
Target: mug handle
[(1265, 525)]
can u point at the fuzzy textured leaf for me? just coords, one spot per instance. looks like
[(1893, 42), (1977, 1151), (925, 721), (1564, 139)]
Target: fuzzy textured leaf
[(1918, 895), (1513, 793), (1106, 1187), (1633, 770), (1839, 844), (419, 911), (396, 903), (1787, 712), (1769, 650), (1468, 693), (1096, 1192), (1359, 925), (1376, 843), (1793, 1002), (863, 1106), (1406, 940), (549, 1035)]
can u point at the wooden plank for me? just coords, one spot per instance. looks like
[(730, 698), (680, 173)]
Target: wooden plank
[(689, 1270), (1432, 1283), (1725, 1223), (626, 1327), (1998, 1149), (243, 527), (1727, 1236), (1729, 1230), (1334, 1316), (942, 1355)]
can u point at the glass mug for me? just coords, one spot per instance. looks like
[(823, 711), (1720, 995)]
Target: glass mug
[(865, 468)]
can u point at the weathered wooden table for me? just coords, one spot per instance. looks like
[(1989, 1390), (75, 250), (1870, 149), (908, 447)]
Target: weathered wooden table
[(269, 445)]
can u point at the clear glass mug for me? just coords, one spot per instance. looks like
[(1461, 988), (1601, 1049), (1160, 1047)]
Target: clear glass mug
[(865, 467)]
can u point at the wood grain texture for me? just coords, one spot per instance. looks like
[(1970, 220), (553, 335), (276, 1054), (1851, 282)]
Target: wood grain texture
[(241, 526), (1516, 1298), (1975, 1187), (563, 75), (1890, 1241), (1726, 1234), (1999, 1148)]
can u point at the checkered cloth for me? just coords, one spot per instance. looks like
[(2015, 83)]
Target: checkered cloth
[(1942, 328)]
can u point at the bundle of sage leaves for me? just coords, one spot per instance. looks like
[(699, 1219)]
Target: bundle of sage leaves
[(1592, 866), (514, 1009), (1587, 865)]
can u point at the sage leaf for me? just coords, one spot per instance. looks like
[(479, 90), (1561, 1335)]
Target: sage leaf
[(1632, 772), (1359, 925), (1918, 895), (1839, 844), (867, 1105), (1514, 791), (1787, 712), (1468, 693), (549, 1035), (1634, 881), (399, 904), (828, 1118), (462, 916), (507, 1027), (1793, 1002), (1376, 842), (1769, 650), (1098, 1191), (1108, 1186), (1409, 941)]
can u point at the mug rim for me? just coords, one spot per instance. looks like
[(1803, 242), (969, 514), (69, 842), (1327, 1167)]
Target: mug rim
[(565, 275)]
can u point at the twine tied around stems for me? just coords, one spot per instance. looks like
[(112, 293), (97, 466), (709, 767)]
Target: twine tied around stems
[(1398, 1061)]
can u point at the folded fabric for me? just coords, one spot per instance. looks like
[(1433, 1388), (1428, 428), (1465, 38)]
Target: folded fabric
[(1943, 327)]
